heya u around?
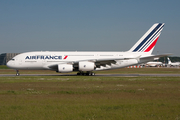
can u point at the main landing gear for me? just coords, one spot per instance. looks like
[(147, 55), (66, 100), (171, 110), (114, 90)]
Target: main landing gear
[(17, 73), (87, 73)]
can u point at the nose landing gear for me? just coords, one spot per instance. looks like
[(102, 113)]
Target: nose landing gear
[(17, 73)]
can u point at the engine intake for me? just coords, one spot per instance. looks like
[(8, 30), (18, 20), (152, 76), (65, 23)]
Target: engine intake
[(64, 68), (86, 66)]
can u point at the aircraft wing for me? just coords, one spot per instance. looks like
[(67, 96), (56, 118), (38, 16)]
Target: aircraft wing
[(98, 62), (107, 61), (148, 58), (104, 62)]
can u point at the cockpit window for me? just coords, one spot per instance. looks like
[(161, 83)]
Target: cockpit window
[(13, 59)]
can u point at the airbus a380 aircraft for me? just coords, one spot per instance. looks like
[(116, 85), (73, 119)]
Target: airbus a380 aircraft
[(87, 62)]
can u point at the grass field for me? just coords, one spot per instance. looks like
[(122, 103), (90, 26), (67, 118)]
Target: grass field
[(90, 97)]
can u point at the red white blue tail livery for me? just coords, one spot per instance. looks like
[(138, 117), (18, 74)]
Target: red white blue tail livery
[(86, 62), (148, 41)]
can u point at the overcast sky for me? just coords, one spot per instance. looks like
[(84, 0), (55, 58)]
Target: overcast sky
[(86, 25)]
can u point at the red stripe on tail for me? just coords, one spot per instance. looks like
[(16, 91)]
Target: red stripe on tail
[(151, 46)]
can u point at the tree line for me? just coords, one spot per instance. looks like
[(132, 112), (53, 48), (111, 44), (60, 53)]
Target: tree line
[(173, 59)]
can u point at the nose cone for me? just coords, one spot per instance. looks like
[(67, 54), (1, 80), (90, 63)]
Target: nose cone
[(10, 64)]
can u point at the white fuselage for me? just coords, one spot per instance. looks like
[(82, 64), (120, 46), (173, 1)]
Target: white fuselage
[(175, 64), (153, 64), (42, 60)]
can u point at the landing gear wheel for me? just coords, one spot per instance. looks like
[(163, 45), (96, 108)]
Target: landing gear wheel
[(92, 74), (87, 73), (17, 73)]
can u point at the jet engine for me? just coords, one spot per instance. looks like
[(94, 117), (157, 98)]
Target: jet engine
[(86, 66), (63, 68)]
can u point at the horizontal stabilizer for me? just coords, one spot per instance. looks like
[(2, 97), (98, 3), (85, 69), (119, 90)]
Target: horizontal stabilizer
[(149, 58)]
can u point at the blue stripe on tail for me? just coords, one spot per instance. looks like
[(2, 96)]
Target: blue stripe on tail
[(153, 31), (151, 38)]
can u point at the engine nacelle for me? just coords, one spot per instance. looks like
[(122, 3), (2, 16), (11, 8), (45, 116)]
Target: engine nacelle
[(86, 66), (63, 68)]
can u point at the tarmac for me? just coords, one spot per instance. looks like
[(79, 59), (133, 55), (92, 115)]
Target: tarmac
[(106, 75)]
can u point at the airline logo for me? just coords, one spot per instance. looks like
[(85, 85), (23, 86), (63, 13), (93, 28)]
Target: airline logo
[(150, 40), (43, 57), (65, 57)]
